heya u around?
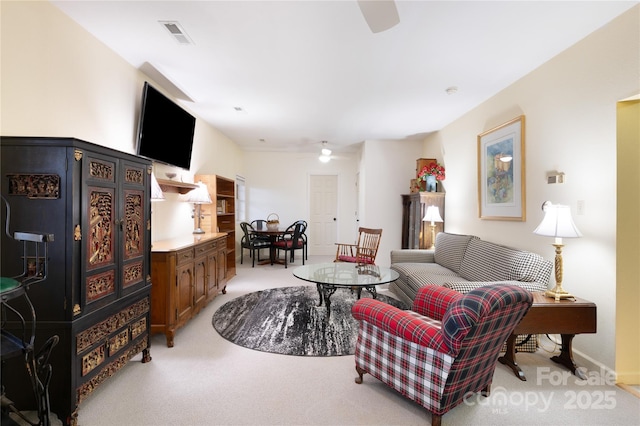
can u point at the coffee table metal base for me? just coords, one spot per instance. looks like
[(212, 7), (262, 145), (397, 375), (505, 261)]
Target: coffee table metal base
[(325, 291)]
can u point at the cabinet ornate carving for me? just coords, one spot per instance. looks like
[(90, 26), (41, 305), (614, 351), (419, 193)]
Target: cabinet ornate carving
[(416, 233), (187, 273), (96, 298)]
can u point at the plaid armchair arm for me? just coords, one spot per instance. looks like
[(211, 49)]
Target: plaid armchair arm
[(432, 301), (406, 325), (416, 371)]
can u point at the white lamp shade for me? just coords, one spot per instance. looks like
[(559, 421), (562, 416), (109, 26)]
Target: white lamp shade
[(432, 214), (156, 191), (199, 195), (557, 222)]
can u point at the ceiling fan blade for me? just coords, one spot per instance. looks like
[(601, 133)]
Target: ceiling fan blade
[(379, 14)]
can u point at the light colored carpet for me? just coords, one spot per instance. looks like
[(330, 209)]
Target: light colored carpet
[(206, 380)]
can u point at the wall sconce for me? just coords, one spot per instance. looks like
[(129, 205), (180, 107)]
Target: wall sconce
[(558, 223), (198, 196), (432, 215)]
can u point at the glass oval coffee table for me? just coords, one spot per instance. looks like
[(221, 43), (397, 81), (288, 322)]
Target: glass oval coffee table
[(328, 277)]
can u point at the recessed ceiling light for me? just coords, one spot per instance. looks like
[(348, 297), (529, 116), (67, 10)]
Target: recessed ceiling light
[(451, 90)]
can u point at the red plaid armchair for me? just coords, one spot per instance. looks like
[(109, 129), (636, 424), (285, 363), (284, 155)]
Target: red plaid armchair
[(444, 348)]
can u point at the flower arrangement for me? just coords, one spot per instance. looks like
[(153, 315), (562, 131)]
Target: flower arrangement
[(432, 169)]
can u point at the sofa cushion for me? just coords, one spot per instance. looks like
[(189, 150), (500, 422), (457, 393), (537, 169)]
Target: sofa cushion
[(420, 280), (412, 256), (450, 249), (405, 270), (467, 286), (525, 267), (486, 261)]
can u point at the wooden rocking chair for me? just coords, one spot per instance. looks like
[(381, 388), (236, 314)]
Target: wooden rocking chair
[(364, 251)]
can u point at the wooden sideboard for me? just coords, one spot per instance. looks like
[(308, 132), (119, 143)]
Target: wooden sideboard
[(416, 234), (186, 274)]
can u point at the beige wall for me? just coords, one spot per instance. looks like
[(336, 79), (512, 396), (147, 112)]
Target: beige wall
[(58, 80), (570, 109), (628, 244)]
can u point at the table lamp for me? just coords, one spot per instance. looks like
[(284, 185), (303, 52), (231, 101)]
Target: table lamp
[(432, 215), (198, 196), (558, 223)]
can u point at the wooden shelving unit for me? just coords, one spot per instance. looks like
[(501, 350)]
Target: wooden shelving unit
[(221, 215)]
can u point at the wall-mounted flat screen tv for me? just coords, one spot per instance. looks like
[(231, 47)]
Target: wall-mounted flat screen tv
[(165, 130)]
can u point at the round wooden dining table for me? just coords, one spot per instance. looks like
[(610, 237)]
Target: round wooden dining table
[(273, 235)]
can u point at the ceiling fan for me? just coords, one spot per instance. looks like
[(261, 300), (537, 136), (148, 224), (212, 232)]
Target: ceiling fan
[(379, 14)]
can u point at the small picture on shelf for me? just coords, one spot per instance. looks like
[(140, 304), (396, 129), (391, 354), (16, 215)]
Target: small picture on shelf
[(221, 207)]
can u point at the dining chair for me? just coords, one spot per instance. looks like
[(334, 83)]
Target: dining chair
[(303, 237), (290, 242), (18, 326), (252, 243), (364, 251), (260, 224)]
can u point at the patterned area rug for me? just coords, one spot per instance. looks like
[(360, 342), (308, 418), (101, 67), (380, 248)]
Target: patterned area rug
[(288, 321)]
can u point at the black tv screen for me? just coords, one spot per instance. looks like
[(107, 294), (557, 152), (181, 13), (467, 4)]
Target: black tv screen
[(165, 130)]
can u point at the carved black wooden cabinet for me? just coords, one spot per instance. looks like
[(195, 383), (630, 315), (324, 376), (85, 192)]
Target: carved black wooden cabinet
[(96, 202)]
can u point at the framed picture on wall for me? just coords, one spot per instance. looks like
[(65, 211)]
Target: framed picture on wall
[(501, 172)]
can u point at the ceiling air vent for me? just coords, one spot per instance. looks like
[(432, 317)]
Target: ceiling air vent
[(175, 29)]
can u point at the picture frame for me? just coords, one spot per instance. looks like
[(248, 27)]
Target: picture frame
[(501, 172)]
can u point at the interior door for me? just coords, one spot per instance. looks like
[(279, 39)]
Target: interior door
[(323, 227)]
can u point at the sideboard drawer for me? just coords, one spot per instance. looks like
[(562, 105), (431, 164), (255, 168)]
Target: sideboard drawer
[(202, 249), (184, 256)]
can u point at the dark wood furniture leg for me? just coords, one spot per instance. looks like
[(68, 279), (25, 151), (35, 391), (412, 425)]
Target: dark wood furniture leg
[(546, 316), (566, 356), (509, 358)]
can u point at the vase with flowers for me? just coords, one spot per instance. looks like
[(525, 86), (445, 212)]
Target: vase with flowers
[(431, 174)]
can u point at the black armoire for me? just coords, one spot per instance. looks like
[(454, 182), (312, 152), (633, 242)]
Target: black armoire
[(96, 203)]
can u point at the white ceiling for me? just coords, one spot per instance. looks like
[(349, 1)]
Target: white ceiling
[(308, 71)]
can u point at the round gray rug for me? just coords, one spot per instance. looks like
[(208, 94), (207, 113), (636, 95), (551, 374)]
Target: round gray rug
[(288, 321)]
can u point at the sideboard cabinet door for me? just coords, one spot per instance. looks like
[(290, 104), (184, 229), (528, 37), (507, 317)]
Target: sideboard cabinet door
[(184, 271)]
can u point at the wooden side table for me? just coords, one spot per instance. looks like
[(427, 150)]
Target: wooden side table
[(546, 316)]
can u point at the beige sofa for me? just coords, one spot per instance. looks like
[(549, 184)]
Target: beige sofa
[(465, 262)]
